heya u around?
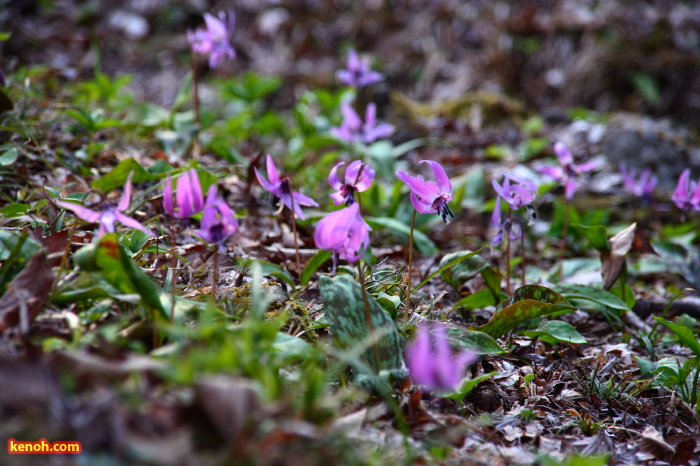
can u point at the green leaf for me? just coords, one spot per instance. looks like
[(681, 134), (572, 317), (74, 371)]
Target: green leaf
[(684, 333), (590, 293), (528, 302), (468, 385), (314, 263), (597, 235), (479, 300), (292, 349), (478, 342), (14, 210), (466, 267), (646, 367), (344, 309), (555, 331), (270, 269), (9, 157), (456, 260), (423, 244), (117, 177)]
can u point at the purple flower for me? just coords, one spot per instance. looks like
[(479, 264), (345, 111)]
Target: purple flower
[(642, 188), (214, 40), (353, 130), (517, 192), (567, 173), (188, 198), (281, 188), (358, 178), (430, 360), (428, 197), (687, 193), (358, 73), (109, 215), (343, 232), (218, 222)]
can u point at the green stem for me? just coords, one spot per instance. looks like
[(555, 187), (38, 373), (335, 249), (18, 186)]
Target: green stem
[(215, 274), (173, 272), (197, 149), (564, 233), (368, 318), (294, 230), (522, 246), (410, 271)]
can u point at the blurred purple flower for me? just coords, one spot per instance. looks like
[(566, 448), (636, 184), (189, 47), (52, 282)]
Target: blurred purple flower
[(214, 40), (188, 198), (109, 215), (343, 232), (353, 130), (642, 188), (218, 221), (436, 369), (567, 173), (687, 193), (429, 197), (517, 194), (281, 188), (358, 178), (358, 73)]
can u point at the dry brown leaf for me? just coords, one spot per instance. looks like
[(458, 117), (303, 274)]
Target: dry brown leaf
[(228, 402), (26, 294), (632, 239)]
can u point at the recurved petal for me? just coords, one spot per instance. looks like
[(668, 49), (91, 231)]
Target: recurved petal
[(588, 166), (681, 192), (496, 216), (416, 185), (553, 172), (81, 211), (333, 176), (441, 178), (131, 223), (332, 230), (126, 196), (351, 120), (267, 186), (421, 206), (168, 196), (419, 358), (272, 170), (365, 179), (301, 199), (570, 188), (563, 153)]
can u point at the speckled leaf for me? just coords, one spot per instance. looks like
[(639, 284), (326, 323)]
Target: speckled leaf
[(595, 295), (479, 342), (344, 310), (556, 331), (527, 302)]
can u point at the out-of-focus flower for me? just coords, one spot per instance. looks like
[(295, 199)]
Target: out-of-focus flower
[(109, 215), (188, 197), (358, 178), (511, 227), (567, 173), (218, 221), (343, 232), (686, 196), (214, 40), (353, 130), (642, 188), (517, 192), (281, 188), (358, 73), (430, 360), (429, 197)]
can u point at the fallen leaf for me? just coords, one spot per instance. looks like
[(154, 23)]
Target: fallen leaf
[(26, 294)]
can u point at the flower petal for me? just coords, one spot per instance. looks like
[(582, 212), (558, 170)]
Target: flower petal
[(126, 196), (420, 206), (131, 223), (570, 189), (441, 178), (272, 171), (417, 185), (333, 176), (588, 166), (553, 172), (168, 196), (81, 211), (563, 153), (496, 216)]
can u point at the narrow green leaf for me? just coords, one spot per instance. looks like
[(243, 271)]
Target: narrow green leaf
[(554, 331), (117, 177), (464, 270), (597, 235), (592, 294), (468, 385), (478, 342), (684, 333), (314, 263), (462, 256), (13, 210)]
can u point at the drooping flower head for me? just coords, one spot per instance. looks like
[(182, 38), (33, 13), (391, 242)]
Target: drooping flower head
[(218, 221), (430, 360), (642, 188), (214, 40), (430, 197), (686, 196), (358, 73), (517, 193), (352, 129), (188, 197), (281, 188), (343, 232), (358, 178), (109, 215), (567, 173)]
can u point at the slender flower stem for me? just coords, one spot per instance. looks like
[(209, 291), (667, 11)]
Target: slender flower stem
[(215, 274), (368, 317), (564, 232), (522, 246), (410, 271), (294, 231), (508, 258), (197, 149), (173, 272)]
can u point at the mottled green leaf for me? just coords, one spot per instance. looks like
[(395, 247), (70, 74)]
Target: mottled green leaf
[(684, 333), (526, 303), (345, 312), (555, 331), (314, 263), (589, 293), (478, 342)]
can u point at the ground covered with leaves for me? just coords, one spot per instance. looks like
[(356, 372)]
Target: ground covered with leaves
[(530, 300)]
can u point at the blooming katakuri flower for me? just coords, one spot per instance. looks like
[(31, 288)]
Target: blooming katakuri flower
[(352, 129), (358, 178), (344, 233), (642, 188), (430, 361), (281, 188), (430, 197), (109, 215), (686, 196), (567, 173), (188, 197), (214, 40), (517, 193), (358, 73), (218, 221)]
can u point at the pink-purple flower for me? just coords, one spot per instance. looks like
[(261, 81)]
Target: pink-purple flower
[(358, 178), (109, 215), (358, 73), (352, 129), (188, 195), (641, 188), (686, 196), (567, 173), (343, 232), (430, 197), (281, 188), (430, 361), (214, 40), (218, 221)]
